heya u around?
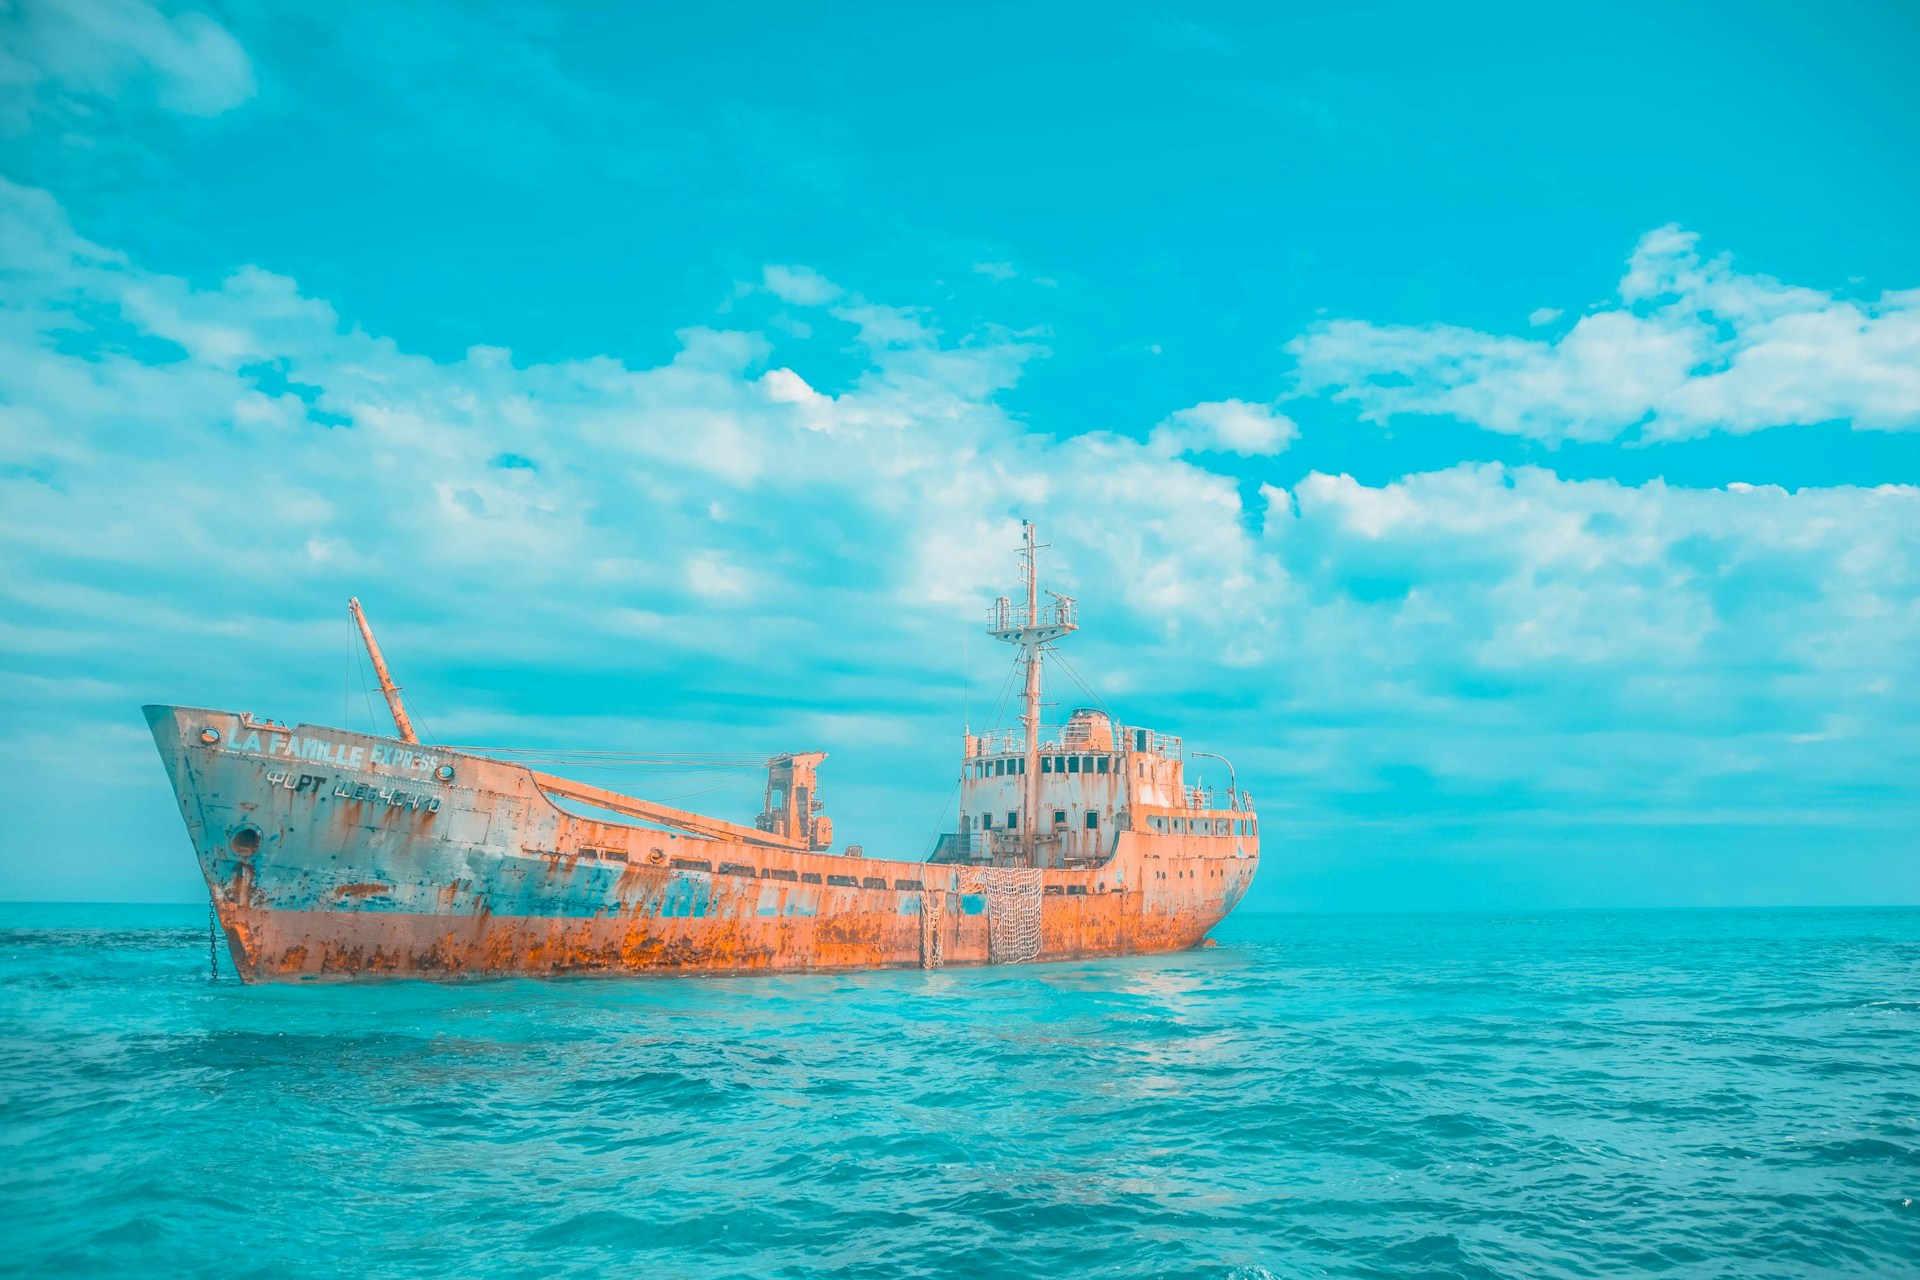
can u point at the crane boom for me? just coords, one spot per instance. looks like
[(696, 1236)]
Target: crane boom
[(679, 819), (388, 689)]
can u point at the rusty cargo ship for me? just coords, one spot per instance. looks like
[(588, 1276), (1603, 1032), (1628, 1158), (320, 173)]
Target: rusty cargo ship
[(331, 854)]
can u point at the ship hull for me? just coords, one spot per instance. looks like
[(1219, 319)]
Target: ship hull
[(335, 855)]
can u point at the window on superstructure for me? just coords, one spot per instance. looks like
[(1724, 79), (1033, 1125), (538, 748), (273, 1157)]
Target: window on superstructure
[(1013, 819), (986, 822), (1103, 764), (1093, 820), (1073, 764), (1059, 817)]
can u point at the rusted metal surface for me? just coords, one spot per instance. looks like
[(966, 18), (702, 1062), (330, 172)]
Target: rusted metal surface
[(388, 689), (332, 854)]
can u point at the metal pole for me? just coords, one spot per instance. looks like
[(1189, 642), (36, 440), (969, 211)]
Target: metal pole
[(1030, 704), (388, 688), (1233, 785)]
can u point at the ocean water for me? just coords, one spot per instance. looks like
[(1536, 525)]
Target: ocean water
[(1577, 1094)]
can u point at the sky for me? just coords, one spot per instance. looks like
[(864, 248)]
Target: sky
[(1495, 428)]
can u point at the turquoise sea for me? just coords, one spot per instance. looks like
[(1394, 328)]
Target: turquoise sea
[(1727, 1093)]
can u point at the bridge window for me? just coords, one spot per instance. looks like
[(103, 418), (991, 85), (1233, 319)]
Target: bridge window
[(844, 881), (873, 882), (809, 877), (1046, 764), (1103, 764), (1093, 820), (1073, 764), (908, 884)]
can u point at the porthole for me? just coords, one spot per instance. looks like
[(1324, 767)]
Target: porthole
[(444, 773), (209, 735)]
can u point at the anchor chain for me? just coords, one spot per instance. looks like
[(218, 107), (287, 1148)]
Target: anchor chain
[(213, 932)]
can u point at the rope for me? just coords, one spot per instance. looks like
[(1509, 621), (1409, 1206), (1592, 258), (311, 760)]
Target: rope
[(1087, 689), (939, 826)]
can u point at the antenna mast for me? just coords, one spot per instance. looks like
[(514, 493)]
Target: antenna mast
[(388, 689), (1031, 628)]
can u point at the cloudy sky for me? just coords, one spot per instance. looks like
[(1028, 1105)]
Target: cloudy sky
[(1498, 433)]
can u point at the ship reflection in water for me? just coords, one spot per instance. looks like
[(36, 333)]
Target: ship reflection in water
[(333, 854)]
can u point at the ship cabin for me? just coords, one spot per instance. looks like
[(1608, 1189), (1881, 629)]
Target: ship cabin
[(1097, 779)]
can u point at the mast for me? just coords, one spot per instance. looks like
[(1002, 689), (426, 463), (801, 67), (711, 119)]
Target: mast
[(388, 689), (1030, 704), (1032, 629)]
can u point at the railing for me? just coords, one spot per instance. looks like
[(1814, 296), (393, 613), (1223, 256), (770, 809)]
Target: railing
[(995, 742), (1004, 615), (1205, 798)]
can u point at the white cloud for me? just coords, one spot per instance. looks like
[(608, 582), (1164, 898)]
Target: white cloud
[(1543, 315), (801, 286), (1693, 346), (55, 49), (1226, 426), (716, 544), (995, 271)]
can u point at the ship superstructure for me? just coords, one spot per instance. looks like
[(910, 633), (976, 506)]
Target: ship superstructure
[(334, 854)]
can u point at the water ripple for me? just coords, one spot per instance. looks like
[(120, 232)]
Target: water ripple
[(1580, 1095)]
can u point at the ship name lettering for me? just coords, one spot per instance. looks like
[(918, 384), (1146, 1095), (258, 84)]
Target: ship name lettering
[(344, 755), (363, 792)]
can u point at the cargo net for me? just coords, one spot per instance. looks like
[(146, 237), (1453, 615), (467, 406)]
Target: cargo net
[(932, 912), (1013, 912)]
